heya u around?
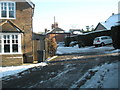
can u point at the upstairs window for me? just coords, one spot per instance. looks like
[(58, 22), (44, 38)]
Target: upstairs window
[(7, 10)]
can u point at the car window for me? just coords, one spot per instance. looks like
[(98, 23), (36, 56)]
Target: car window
[(96, 39), (104, 38), (109, 38)]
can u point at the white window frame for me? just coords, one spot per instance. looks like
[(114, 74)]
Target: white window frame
[(8, 16), (19, 43)]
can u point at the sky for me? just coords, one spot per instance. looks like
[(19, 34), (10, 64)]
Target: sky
[(72, 14)]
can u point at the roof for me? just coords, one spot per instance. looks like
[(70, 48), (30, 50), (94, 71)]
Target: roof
[(57, 30), (28, 1), (37, 36), (31, 3), (111, 21), (9, 26)]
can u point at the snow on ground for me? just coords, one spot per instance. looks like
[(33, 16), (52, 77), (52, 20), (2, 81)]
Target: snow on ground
[(70, 50), (105, 77), (11, 70)]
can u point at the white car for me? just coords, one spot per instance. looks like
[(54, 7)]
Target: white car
[(101, 41)]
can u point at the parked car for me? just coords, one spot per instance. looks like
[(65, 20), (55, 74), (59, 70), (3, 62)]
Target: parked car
[(102, 40)]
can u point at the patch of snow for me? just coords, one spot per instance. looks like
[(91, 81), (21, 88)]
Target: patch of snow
[(76, 49), (11, 70), (105, 77), (116, 51)]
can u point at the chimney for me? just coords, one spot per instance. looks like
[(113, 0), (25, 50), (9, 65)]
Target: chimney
[(113, 14), (56, 25), (46, 30)]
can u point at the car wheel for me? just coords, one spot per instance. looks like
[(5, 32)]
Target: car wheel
[(102, 44)]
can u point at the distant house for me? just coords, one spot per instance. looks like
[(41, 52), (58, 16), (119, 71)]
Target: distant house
[(16, 45), (111, 21), (58, 33)]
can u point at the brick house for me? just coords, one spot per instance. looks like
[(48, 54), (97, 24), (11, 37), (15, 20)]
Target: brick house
[(58, 33), (16, 44)]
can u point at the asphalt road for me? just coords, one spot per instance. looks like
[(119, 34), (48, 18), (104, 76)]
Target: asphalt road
[(62, 72)]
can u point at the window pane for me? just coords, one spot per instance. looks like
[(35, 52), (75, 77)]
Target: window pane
[(16, 41), (6, 48), (15, 48), (4, 14), (8, 41), (11, 14), (4, 41), (4, 36), (8, 37), (12, 36), (12, 41), (16, 36)]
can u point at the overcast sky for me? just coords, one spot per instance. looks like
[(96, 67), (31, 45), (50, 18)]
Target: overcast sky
[(72, 13)]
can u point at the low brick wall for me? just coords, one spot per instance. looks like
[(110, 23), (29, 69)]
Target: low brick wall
[(12, 60)]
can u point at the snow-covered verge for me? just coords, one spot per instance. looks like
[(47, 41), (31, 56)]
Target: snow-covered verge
[(105, 76), (70, 50), (11, 70)]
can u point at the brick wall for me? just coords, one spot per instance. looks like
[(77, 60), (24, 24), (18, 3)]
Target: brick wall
[(11, 60)]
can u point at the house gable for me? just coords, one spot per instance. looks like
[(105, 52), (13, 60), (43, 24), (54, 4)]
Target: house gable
[(9, 26), (99, 27)]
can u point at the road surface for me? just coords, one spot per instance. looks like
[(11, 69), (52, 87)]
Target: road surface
[(62, 72)]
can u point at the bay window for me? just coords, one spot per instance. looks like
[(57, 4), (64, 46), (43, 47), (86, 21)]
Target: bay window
[(7, 10), (10, 43)]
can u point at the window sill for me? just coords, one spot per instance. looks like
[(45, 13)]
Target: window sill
[(9, 53), (8, 18)]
